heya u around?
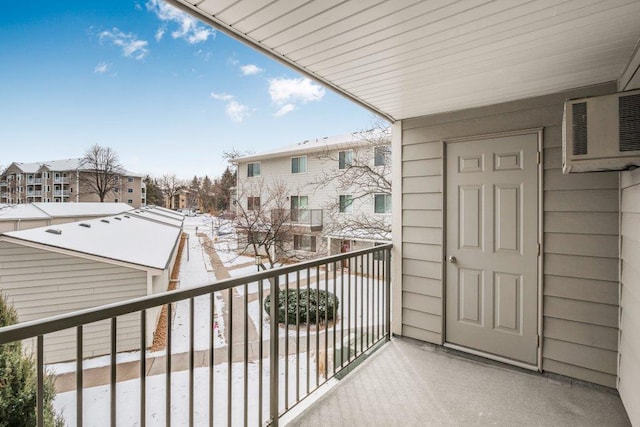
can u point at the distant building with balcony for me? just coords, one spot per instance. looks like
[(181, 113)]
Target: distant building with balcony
[(60, 181), (326, 214)]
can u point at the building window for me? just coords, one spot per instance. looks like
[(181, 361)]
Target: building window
[(382, 203), (299, 164), (253, 169), (115, 200), (130, 179), (378, 255), (304, 243), (116, 190), (345, 159), (130, 201), (129, 190), (346, 203), (382, 155), (253, 203)]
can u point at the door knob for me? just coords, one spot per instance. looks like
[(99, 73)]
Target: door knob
[(452, 259)]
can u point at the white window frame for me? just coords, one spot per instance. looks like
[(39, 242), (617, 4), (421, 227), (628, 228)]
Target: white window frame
[(345, 159), (251, 203), (300, 245), (347, 208), (251, 173), (387, 203), (306, 165), (386, 155)]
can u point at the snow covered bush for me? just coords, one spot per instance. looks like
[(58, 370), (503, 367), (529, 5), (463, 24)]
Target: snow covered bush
[(314, 306), (18, 382)]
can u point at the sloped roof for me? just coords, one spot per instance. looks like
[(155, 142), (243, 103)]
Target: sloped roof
[(60, 165), (122, 238), (316, 145), (43, 210), (154, 215), (83, 208)]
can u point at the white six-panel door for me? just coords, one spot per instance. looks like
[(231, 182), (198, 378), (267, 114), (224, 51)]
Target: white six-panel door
[(492, 246)]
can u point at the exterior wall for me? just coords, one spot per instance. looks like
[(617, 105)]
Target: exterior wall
[(629, 363), (40, 284), (60, 186), (580, 326), (325, 197), (23, 224)]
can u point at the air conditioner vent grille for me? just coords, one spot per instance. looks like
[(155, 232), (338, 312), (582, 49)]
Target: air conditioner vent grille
[(629, 113), (579, 128)]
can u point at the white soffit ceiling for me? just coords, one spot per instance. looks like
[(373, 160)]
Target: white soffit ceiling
[(408, 58)]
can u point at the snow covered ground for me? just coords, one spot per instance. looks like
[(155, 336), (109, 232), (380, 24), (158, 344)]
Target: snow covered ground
[(195, 271)]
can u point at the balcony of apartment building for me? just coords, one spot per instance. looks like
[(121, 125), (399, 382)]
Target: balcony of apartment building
[(34, 193), (307, 218), (60, 180), (61, 193), (237, 365)]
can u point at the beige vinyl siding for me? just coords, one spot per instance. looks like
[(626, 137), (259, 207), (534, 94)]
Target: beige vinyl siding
[(580, 231), (629, 363), (41, 283)]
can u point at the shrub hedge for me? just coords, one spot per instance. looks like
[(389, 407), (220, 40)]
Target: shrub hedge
[(314, 305)]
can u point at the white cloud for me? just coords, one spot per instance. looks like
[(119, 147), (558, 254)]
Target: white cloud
[(131, 46), (101, 68), (250, 69), (286, 93), (160, 33), (221, 96), (234, 110), (286, 108), (189, 29)]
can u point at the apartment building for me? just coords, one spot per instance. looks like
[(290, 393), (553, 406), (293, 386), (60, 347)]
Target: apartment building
[(60, 181), (334, 191)]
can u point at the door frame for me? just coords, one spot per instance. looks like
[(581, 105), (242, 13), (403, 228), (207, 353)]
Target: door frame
[(539, 131)]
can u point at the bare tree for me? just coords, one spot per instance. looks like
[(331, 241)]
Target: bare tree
[(170, 186), (100, 171), (364, 172), (264, 225)]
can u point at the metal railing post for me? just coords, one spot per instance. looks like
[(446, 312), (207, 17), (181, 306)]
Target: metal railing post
[(274, 352), (387, 281)]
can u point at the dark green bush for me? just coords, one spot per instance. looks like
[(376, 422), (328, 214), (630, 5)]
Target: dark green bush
[(313, 304), (18, 382)]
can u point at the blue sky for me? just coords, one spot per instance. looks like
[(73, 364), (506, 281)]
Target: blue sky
[(168, 93)]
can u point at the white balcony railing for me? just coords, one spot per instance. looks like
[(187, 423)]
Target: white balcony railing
[(290, 358)]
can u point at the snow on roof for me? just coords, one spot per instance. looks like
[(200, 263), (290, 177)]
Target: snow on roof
[(320, 144), (22, 211), (42, 210), (164, 211), (60, 165), (83, 208), (153, 215), (122, 238)]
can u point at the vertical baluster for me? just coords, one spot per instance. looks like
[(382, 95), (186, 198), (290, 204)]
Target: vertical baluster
[(212, 341), (274, 354), (349, 309), (297, 336), (343, 301), (326, 324), (260, 349), (286, 342), (246, 353), (317, 326), (40, 379), (355, 307), (362, 315), (335, 315), (229, 357), (368, 302), (308, 329), (377, 264), (191, 358), (388, 293), (143, 368), (114, 325), (79, 375), (167, 397)]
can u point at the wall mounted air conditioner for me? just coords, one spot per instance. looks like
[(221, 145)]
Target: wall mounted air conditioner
[(601, 133)]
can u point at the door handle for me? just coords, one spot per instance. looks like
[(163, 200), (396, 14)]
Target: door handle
[(452, 260)]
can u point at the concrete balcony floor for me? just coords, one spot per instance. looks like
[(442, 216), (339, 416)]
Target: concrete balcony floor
[(410, 383)]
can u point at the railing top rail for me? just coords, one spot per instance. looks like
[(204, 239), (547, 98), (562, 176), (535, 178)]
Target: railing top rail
[(47, 325)]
